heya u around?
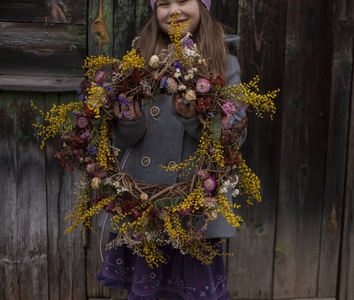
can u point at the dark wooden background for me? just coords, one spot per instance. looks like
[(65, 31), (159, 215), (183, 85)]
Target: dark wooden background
[(297, 244)]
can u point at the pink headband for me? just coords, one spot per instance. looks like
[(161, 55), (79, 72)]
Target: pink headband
[(205, 2)]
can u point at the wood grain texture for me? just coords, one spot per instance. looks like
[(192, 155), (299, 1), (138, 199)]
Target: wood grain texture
[(107, 11), (346, 279), (337, 150), (33, 49), (52, 11), (31, 247), (250, 270), (9, 283), (303, 148), (66, 256)]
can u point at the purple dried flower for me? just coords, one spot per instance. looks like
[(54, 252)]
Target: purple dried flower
[(187, 42), (209, 184), (82, 122), (92, 150), (85, 135), (76, 113), (100, 77), (178, 65), (243, 107)]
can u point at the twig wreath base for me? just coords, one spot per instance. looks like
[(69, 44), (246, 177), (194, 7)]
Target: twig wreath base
[(148, 216)]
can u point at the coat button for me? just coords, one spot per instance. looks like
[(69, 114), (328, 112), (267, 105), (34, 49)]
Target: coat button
[(172, 165), (145, 161), (155, 111)]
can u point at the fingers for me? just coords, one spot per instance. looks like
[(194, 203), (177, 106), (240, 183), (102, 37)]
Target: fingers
[(186, 111), (127, 113), (138, 113)]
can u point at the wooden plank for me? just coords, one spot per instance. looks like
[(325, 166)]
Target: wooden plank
[(129, 16), (346, 275), (337, 149), (66, 256), (39, 83), (250, 270), (34, 49), (31, 209), (64, 11), (303, 152), (9, 283)]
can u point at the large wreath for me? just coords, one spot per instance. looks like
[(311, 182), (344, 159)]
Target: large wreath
[(148, 216)]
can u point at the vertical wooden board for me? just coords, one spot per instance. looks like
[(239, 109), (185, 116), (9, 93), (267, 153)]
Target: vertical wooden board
[(94, 262), (346, 274), (104, 28), (337, 148), (262, 44), (66, 257), (71, 254), (53, 177), (124, 26), (226, 12), (31, 248), (9, 283), (303, 147)]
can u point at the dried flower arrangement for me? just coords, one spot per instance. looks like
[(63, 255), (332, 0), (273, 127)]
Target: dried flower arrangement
[(148, 216)]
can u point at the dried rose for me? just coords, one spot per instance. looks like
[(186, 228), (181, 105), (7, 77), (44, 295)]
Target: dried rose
[(228, 108)]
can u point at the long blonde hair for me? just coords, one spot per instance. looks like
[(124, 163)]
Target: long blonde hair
[(209, 38)]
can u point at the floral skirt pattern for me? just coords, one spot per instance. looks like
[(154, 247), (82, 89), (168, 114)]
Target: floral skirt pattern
[(181, 278)]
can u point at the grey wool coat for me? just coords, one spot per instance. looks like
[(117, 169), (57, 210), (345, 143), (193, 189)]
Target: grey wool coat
[(170, 139)]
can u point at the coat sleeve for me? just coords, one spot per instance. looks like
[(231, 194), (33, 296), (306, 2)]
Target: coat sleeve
[(233, 77), (128, 133)]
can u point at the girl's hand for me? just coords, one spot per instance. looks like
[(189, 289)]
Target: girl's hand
[(121, 111), (186, 111)]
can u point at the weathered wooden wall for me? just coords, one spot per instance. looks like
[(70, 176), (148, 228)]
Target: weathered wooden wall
[(297, 244)]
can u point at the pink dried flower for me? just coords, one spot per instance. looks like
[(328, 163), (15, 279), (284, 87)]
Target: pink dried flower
[(82, 122), (203, 85), (202, 174), (226, 122), (210, 201), (229, 108), (209, 184), (137, 213), (172, 86), (90, 168), (186, 212), (100, 77)]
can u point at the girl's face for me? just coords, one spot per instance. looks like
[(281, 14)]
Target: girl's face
[(186, 9)]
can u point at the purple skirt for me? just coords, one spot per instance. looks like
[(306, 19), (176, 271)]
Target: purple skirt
[(181, 278)]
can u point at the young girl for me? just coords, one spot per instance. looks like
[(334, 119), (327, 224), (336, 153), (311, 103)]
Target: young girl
[(173, 134)]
